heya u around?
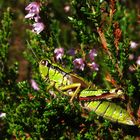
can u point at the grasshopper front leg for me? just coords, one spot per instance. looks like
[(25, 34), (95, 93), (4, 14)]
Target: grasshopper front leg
[(71, 87), (75, 89)]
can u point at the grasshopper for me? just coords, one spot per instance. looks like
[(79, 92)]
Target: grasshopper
[(98, 101), (62, 79)]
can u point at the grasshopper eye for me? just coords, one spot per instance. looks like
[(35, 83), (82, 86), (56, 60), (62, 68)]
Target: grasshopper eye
[(44, 63)]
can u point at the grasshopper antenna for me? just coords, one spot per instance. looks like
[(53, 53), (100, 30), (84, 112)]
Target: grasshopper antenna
[(33, 51)]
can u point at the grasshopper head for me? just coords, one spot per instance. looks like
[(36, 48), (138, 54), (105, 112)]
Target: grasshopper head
[(44, 67)]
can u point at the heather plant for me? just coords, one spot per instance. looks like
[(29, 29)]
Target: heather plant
[(98, 40)]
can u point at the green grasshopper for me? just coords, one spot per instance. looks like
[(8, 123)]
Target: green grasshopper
[(75, 86)]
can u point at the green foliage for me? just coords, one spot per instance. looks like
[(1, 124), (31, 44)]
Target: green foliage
[(108, 27), (5, 38), (5, 33)]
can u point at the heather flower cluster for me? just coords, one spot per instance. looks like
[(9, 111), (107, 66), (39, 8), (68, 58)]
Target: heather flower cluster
[(59, 52), (134, 57), (138, 61), (79, 63), (92, 54), (134, 47), (33, 14)]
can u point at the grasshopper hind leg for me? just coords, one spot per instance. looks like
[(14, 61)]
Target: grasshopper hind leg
[(75, 86)]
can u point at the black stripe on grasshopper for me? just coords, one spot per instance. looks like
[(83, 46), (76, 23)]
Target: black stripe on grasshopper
[(50, 67), (55, 68), (104, 94)]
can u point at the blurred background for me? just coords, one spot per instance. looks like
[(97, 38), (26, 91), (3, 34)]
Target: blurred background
[(60, 11), (18, 42)]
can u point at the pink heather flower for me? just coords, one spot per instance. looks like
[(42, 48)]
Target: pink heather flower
[(133, 45), (2, 115), (38, 27), (94, 66), (138, 61), (67, 8), (34, 85), (71, 52), (131, 56), (92, 54), (131, 68), (34, 9), (59, 52), (79, 64)]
